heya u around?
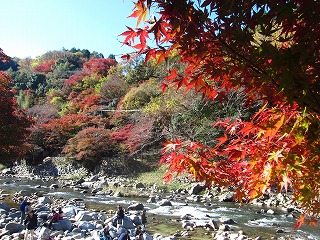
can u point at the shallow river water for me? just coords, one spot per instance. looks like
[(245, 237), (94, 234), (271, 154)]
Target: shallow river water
[(247, 218)]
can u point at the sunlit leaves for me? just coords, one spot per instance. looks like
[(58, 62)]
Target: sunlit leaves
[(140, 12), (273, 56)]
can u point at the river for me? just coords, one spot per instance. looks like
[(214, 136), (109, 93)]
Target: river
[(247, 218)]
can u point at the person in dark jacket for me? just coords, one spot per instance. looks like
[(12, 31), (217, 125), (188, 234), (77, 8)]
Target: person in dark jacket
[(30, 223), (23, 205), (120, 215), (144, 218)]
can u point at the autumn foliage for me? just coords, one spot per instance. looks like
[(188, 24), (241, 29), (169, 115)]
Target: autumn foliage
[(91, 145), (14, 123), (270, 51), (100, 66)]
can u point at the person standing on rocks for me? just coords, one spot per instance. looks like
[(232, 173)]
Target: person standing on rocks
[(30, 223), (23, 209), (120, 215), (144, 218)]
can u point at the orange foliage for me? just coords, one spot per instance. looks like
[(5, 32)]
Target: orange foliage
[(270, 49)]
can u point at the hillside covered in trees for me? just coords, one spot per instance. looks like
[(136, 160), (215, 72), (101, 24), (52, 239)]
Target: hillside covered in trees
[(95, 110), (230, 90)]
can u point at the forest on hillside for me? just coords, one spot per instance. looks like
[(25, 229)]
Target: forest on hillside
[(227, 93), (95, 110)]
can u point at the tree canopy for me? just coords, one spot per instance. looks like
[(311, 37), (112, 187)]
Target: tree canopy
[(14, 123), (269, 50)]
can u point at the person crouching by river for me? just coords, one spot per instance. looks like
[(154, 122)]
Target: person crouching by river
[(30, 223), (55, 218)]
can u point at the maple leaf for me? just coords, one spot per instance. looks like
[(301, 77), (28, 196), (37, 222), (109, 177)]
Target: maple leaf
[(285, 181), (276, 155), (164, 87), (130, 36), (271, 132), (171, 145), (126, 57), (300, 221), (140, 11)]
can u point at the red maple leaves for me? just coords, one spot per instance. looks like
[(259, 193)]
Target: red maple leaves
[(272, 57)]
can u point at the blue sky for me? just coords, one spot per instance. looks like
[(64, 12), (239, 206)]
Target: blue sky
[(34, 27)]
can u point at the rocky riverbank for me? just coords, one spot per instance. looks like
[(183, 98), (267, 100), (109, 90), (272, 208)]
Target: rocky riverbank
[(82, 222)]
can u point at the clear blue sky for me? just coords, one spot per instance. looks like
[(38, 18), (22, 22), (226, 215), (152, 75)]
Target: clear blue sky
[(34, 27)]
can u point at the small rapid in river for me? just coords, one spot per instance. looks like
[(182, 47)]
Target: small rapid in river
[(250, 219)]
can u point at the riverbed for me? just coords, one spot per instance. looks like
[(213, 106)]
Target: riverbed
[(167, 219)]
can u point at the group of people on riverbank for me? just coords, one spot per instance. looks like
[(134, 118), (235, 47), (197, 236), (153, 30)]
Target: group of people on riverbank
[(29, 219), (118, 220)]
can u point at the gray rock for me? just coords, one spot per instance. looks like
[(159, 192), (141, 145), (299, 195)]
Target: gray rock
[(139, 185), (227, 220), (164, 202), (86, 226), (44, 200), (136, 207), (227, 197), (196, 188), (4, 206), (80, 181), (83, 216), (44, 233), (43, 208), (13, 227), (94, 178), (24, 193), (271, 212), (152, 199), (127, 223), (186, 224), (64, 224), (54, 186), (224, 227), (94, 191)]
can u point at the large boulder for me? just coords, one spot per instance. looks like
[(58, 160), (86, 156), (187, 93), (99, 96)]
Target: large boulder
[(86, 226), (44, 233), (4, 206), (136, 207), (71, 211), (13, 227), (84, 216), (24, 193), (164, 202), (196, 188), (127, 223), (44, 200), (63, 224)]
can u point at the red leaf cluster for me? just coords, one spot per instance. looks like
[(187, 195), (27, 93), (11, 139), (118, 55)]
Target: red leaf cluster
[(270, 50)]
